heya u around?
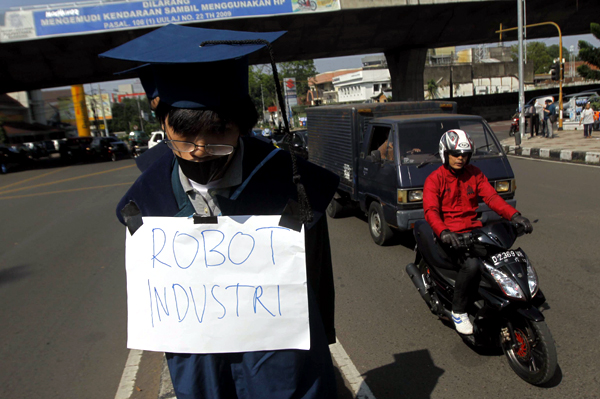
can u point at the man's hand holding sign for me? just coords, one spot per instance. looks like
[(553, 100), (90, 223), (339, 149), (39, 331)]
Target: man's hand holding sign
[(212, 288)]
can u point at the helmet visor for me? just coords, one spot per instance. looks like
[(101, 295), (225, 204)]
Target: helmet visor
[(458, 153)]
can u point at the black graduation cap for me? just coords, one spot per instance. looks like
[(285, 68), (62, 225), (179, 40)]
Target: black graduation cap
[(202, 68), (186, 70)]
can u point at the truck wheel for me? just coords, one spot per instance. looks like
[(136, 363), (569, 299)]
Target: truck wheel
[(380, 231), (335, 208)]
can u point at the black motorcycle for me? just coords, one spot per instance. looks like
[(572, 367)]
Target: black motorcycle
[(506, 311)]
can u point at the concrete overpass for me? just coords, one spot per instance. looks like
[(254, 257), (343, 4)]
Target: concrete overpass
[(402, 29)]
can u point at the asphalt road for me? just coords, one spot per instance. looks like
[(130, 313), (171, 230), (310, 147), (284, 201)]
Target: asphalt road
[(403, 351), (62, 290), (62, 281)]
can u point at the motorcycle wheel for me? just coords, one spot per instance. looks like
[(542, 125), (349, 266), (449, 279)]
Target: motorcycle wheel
[(511, 132), (313, 6), (530, 351)]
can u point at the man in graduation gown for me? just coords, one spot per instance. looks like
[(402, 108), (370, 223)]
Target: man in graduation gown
[(207, 166)]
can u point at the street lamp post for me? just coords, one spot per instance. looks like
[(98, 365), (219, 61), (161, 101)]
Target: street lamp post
[(560, 56)]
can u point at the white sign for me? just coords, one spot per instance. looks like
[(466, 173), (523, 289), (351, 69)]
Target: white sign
[(17, 25), (290, 91), (235, 286)]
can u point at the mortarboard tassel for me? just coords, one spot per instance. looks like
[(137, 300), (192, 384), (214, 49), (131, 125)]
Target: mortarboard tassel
[(306, 213)]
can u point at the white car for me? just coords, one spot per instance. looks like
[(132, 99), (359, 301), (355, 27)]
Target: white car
[(155, 138)]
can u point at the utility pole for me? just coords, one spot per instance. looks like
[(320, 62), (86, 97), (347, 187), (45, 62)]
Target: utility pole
[(103, 113), (519, 138), (263, 103), (140, 113), (94, 110), (560, 56)]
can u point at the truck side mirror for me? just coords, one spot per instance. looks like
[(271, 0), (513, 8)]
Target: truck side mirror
[(375, 156)]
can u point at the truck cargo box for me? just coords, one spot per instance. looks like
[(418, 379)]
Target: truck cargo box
[(336, 132)]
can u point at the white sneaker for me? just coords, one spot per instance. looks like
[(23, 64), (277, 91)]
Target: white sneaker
[(462, 323)]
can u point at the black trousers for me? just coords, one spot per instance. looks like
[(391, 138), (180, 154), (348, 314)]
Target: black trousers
[(466, 282), (535, 125), (468, 277)]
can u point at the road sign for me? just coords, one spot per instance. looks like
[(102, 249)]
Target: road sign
[(290, 91)]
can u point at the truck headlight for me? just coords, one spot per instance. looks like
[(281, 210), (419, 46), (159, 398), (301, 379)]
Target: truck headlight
[(401, 196), (415, 195), (503, 186), (405, 196)]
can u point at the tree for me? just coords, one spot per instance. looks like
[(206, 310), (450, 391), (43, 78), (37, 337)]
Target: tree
[(538, 53), (262, 85), (553, 52), (432, 89), (125, 116), (591, 55), (301, 70)]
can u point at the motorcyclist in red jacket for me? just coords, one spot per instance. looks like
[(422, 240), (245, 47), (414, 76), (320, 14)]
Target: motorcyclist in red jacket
[(450, 202)]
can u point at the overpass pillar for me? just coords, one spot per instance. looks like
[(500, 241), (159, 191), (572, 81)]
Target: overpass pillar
[(406, 68), (36, 106)]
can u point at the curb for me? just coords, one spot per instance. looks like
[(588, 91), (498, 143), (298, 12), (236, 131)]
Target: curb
[(588, 157)]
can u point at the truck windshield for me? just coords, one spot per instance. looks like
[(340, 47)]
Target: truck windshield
[(419, 141)]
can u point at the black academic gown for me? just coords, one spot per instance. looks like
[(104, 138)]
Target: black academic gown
[(158, 192)]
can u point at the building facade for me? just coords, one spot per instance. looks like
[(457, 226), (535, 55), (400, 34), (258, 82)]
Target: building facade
[(362, 86)]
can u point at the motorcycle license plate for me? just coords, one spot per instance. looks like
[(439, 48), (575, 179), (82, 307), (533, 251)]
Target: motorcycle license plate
[(503, 257)]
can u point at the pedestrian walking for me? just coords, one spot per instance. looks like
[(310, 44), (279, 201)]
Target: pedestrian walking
[(208, 166), (549, 117), (587, 119), (539, 120), (531, 115)]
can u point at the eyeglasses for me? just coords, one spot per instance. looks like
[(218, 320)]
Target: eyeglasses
[(211, 149)]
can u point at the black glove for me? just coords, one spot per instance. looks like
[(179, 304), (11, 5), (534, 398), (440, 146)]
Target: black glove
[(450, 238), (523, 221)]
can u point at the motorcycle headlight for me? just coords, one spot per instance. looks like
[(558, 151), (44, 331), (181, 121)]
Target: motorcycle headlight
[(532, 279), (507, 284)]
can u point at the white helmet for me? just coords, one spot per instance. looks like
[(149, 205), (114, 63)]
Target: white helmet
[(457, 141)]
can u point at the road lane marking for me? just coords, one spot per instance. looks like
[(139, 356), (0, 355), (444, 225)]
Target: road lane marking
[(359, 387), (132, 366), (32, 178), (65, 180), (64, 191), (357, 383)]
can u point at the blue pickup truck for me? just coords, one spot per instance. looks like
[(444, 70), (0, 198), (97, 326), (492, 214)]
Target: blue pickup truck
[(383, 152)]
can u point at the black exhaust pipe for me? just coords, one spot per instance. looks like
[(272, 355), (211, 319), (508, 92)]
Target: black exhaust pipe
[(417, 278)]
